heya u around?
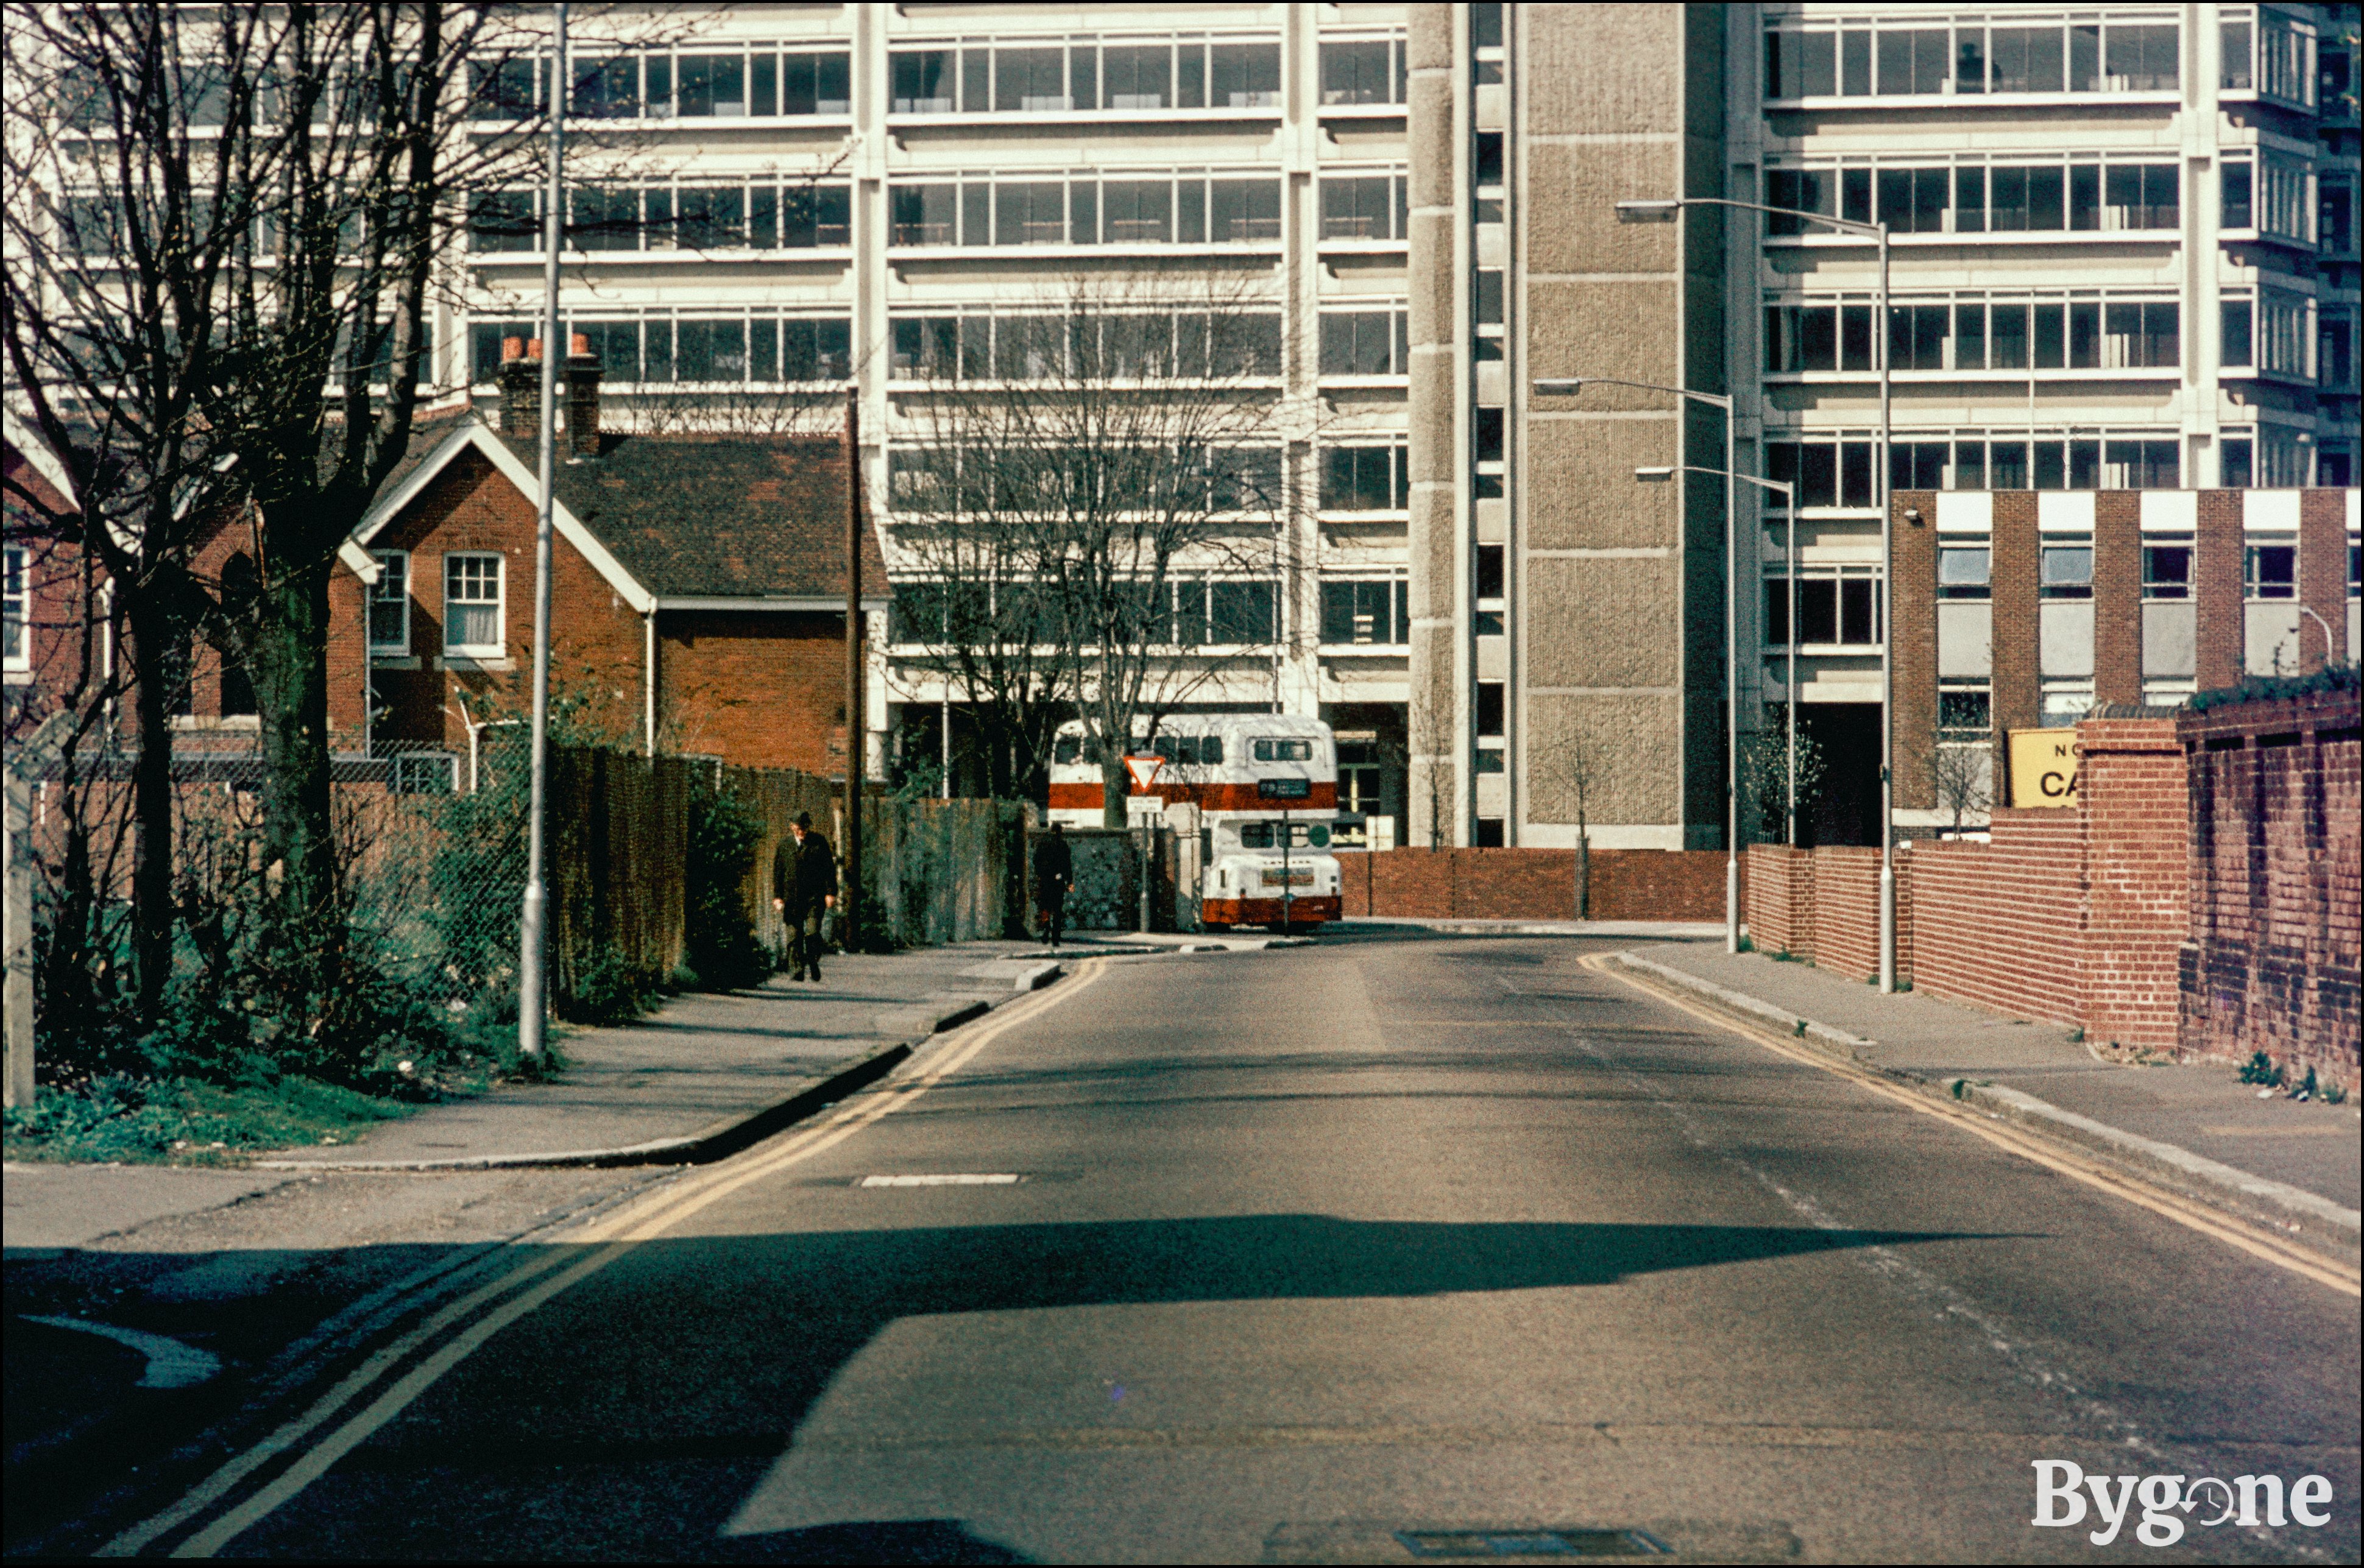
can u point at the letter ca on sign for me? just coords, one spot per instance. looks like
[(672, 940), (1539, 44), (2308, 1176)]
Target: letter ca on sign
[(2042, 767), (2162, 1505)]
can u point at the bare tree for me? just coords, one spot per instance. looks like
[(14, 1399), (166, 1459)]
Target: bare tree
[(1575, 765), (1961, 780), (1091, 508), (233, 221)]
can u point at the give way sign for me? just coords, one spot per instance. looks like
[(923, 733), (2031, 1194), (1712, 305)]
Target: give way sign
[(1143, 771)]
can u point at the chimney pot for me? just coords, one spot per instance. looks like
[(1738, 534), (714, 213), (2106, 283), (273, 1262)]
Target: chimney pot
[(512, 349), (578, 344)]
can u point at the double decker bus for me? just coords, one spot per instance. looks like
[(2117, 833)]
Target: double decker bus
[(1266, 790)]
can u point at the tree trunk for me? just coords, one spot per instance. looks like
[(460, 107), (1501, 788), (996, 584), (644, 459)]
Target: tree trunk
[(1583, 875), (159, 644), (1116, 786), (290, 677)]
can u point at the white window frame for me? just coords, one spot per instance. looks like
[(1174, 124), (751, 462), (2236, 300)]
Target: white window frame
[(17, 608), (498, 650), (390, 562), (411, 768)]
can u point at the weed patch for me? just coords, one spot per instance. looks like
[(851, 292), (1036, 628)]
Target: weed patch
[(188, 1121)]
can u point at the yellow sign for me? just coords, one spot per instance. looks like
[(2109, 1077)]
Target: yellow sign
[(2042, 767)]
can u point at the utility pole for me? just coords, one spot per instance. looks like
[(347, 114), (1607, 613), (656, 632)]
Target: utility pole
[(855, 695), (534, 975)]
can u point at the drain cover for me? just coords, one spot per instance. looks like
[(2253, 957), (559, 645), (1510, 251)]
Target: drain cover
[(1468, 1543)]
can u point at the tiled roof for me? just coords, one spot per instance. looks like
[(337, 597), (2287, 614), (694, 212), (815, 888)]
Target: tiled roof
[(732, 516)]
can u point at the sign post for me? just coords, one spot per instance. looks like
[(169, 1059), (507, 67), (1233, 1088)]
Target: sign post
[(1145, 771), (1285, 790)]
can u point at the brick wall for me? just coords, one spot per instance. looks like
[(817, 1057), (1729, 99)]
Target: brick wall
[(2117, 597), (2272, 962), (766, 691), (1913, 603), (2216, 589), (1780, 882), (2018, 687), (2323, 574), (1534, 885), (2137, 840), (1847, 911), (1998, 925)]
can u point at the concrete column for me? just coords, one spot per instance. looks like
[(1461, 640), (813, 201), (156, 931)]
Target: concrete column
[(1437, 717)]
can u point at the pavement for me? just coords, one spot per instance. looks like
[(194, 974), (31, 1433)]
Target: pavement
[(1407, 1249), (701, 1074), (2197, 1128)]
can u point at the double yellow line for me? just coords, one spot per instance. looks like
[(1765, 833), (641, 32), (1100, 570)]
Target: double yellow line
[(2255, 1240), (534, 1283)]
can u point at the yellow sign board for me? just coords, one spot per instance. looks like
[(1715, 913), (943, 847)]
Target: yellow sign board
[(2042, 767)]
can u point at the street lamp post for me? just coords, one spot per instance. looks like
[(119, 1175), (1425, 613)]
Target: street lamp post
[(533, 934), (1569, 387), (1665, 211), (1790, 506)]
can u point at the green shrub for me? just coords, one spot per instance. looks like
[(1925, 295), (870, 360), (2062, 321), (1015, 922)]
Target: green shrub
[(724, 834), (2262, 1069)]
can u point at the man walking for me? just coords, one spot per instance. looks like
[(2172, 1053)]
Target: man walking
[(1055, 870), (804, 884)]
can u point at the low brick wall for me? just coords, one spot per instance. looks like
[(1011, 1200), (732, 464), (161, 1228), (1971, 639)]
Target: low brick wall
[(1534, 885), (1847, 911), (2137, 796), (2272, 959), (1780, 882), (1998, 924)]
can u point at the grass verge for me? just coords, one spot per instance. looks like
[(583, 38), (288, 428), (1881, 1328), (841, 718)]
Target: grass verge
[(184, 1121)]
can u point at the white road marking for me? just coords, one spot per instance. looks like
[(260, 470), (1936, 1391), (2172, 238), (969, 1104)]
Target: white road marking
[(1002, 1180), (171, 1364)]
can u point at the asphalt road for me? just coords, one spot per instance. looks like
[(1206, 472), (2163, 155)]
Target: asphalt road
[(1313, 1246)]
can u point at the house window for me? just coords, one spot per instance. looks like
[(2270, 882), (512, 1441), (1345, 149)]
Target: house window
[(16, 644), (389, 604), (426, 773), (2270, 569), (2064, 704), (472, 624), (1374, 610)]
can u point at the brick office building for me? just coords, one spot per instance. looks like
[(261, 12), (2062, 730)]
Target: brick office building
[(2022, 609), (698, 589)]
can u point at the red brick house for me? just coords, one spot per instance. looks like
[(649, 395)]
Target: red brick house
[(698, 590), (63, 641)]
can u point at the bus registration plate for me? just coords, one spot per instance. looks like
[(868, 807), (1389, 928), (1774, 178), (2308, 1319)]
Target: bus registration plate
[(1288, 878)]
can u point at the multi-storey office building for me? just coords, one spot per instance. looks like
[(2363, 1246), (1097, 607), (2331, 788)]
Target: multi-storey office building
[(2123, 256), (811, 196)]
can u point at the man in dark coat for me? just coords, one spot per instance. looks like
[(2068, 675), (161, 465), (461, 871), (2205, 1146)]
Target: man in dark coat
[(804, 885), (1055, 870)]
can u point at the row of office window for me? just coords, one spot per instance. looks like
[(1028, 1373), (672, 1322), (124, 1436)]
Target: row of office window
[(942, 480), (1139, 345), (1904, 54), (475, 604), (1192, 208), (1837, 606), (1979, 334), (2066, 193), (2065, 568), (715, 348), (761, 215), (1190, 611), (1837, 470), (1065, 76), (703, 80)]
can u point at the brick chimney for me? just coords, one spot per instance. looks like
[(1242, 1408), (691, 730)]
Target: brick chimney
[(520, 387), (581, 399)]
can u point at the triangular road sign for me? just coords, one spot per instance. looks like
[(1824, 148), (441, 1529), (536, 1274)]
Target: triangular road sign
[(1143, 771)]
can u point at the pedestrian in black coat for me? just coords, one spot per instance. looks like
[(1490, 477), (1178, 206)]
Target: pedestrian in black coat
[(1054, 872), (804, 886)]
